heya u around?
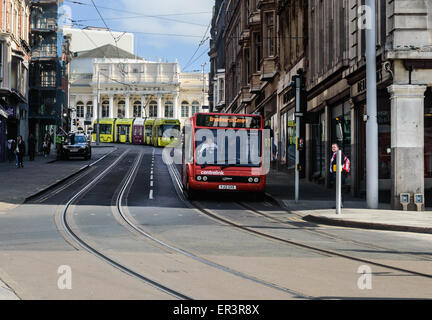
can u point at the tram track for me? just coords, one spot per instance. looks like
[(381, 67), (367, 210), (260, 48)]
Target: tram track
[(122, 195), (211, 214), (90, 249), (260, 213)]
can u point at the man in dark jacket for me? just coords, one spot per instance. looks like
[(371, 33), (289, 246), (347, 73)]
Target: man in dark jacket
[(20, 152)]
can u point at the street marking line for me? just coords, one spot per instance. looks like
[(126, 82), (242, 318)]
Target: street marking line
[(151, 194), (151, 183)]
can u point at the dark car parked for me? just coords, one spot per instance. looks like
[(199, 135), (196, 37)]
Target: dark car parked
[(77, 145)]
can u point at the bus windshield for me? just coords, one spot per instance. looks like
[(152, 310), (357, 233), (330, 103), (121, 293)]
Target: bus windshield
[(240, 148)]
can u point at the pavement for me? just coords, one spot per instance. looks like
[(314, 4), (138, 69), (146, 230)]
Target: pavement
[(21, 184), (317, 205)]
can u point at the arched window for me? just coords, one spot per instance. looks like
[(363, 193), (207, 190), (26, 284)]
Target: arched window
[(105, 109), (195, 107), (89, 109), (185, 109), (80, 109), (153, 109), (137, 109), (121, 109), (169, 110)]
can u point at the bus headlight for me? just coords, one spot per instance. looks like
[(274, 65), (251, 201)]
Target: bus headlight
[(250, 180), (205, 178), (199, 178), (256, 180)]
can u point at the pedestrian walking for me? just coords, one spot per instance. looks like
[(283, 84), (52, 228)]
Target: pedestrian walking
[(346, 166), (32, 147), (46, 145), (20, 152), (11, 145)]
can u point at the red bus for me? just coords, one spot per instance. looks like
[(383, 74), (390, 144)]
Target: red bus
[(224, 152)]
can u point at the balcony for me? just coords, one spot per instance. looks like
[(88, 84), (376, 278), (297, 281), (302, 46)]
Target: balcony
[(255, 83), (44, 52), (44, 25)]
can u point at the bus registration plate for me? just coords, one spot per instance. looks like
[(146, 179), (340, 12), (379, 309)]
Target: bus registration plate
[(227, 187)]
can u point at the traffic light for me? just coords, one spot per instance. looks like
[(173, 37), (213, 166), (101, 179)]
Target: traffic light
[(74, 122)]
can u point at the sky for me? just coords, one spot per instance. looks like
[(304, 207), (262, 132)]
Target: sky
[(166, 29)]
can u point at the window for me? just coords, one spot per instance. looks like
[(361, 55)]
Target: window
[(153, 109), (137, 109), (89, 109), (169, 110), (121, 109), (195, 107), (270, 37), (257, 62), (105, 109), (185, 109), (80, 110)]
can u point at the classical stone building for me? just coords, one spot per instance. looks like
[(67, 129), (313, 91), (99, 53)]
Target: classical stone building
[(131, 87)]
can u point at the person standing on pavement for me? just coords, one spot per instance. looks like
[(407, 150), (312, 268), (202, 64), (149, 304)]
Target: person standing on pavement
[(346, 166), (32, 147), (20, 152)]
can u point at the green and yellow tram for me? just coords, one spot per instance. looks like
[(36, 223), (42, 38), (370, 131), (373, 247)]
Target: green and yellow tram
[(106, 130), (148, 128), (163, 132), (124, 130)]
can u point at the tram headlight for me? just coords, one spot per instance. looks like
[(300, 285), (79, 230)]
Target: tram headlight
[(250, 180), (205, 178), (256, 180), (199, 178)]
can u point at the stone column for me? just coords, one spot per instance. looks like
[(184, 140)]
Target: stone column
[(407, 141), (327, 144), (95, 108), (159, 105), (177, 114), (73, 113), (127, 106), (144, 111), (111, 106)]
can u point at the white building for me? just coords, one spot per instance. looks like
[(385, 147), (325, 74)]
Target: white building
[(92, 38), (131, 87)]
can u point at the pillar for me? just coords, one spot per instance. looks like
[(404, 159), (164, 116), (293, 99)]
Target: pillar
[(144, 112), (127, 106), (111, 106), (159, 105), (95, 108), (177, 111), (407, 141)]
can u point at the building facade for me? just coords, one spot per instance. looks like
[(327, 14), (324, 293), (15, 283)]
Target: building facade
[(131, 87), (48, 70), (268, 42), (14, 69), (217, 58)]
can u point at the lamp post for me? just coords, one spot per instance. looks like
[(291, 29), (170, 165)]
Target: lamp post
[(372, 184)]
